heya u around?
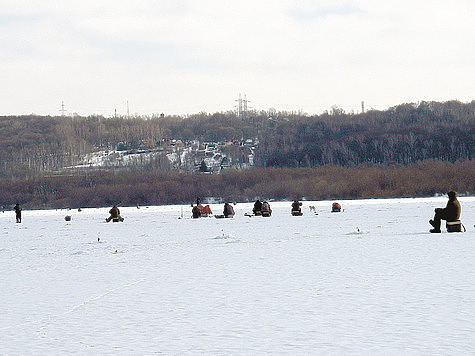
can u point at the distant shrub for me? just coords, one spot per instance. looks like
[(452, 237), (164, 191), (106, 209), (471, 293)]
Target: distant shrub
[(105, 188)]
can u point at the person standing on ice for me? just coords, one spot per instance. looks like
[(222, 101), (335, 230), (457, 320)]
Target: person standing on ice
[(450, 213), (17, 209)]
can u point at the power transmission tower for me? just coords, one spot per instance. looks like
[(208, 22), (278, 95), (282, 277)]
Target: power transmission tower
[(239, 106), (242, 107), (245, 106), (63, 109)]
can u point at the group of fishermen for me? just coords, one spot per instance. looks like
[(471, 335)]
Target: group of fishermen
[(451, 213), (297, 210), (262, 209), (199, 210)]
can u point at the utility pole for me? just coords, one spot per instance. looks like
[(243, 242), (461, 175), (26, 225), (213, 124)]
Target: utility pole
[(128, 114), (362, 107), (63, 110)]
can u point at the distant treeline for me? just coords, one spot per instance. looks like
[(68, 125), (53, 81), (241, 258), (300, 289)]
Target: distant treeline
[(403, 134), (99, 189), (407, 133)]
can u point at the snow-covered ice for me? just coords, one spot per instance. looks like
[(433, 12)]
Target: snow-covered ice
[(369, 280)]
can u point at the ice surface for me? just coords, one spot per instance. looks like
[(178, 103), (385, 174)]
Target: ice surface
[(369, 280)]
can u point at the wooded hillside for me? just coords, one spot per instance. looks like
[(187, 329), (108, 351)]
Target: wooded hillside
[(33, 145)]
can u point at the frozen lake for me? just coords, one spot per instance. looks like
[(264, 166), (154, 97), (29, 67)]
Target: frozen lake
[(369, 280)]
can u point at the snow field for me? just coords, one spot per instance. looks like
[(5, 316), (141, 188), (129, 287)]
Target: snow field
[(369, 280)]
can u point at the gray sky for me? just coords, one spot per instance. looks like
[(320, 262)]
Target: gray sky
[(185, 56)]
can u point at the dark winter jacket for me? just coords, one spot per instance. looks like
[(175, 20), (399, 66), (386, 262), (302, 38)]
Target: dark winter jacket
[(196, 212), (296, 206), (266, 207), (228, 210), (453, 209), (115, 212), (17, 210), (257, 207)]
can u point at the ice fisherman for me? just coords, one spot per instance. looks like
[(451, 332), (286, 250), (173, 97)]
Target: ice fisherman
[(336, 207), (296, 208), (450, 213), (17, 209), (228, 211), (266, 210), (195, 212), (114, 215), (204, 210), (257, 207)]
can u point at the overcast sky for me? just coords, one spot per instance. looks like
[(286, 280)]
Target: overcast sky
[(187, 56)]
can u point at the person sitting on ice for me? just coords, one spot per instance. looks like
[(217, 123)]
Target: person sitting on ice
[(228, 211), (196, 212), (257, 207), (336, 208), (204, 210), (114, 215), (296, 210), (450, 213), (266, 210)]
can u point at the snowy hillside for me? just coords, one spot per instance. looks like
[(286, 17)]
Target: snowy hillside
[(115, 159), (182, 156), (369, 280)]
